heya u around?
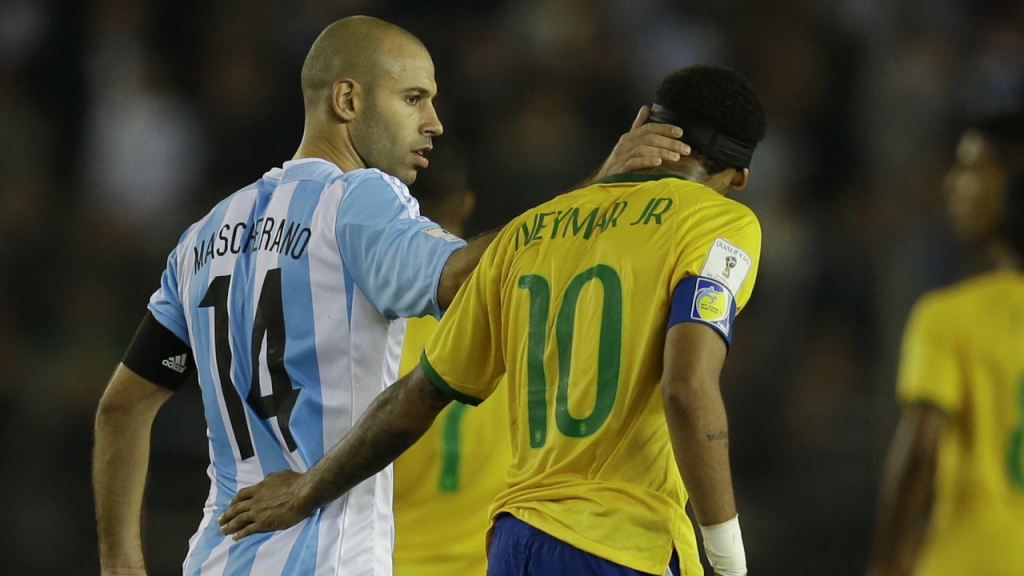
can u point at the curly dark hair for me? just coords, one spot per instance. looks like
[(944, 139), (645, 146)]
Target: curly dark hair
[(1005, 133), (720, 97)]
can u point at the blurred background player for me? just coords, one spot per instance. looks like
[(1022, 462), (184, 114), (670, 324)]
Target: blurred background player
[(457, 468), (952, 499), (610, 310)]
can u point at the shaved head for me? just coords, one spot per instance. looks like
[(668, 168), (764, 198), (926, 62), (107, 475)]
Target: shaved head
[(356, 47)]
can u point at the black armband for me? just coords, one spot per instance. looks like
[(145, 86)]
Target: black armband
[(158, 355)]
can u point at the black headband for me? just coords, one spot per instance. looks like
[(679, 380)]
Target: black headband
[(705, 138)]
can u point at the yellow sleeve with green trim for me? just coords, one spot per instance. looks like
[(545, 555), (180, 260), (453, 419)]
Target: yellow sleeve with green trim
[(929, 370), (465, 357)]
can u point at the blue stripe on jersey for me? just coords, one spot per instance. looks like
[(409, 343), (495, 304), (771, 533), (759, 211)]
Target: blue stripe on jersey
[(242, 313), (300, 334), (302, 558), (349, 291), (242, 554), (208, 540)]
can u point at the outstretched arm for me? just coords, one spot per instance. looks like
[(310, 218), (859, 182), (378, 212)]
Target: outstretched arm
[(459, 266), (905, 502), (394, 421), (697, 424), (119, 464)]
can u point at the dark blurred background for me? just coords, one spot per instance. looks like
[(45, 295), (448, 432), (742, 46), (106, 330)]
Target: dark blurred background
[(121, 121)]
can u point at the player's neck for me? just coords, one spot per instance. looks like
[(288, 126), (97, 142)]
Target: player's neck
[(339, 151), (686, 171), (1003, 257)]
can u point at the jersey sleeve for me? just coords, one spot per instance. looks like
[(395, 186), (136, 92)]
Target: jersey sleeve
[(712, 281), (929, 370), (395, 256), (165, 303), (465, 357)]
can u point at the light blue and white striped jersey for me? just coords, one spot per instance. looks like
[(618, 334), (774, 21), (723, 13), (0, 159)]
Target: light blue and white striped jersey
[(292, 294)]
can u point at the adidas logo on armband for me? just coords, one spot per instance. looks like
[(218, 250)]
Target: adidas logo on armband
[(176, 363)]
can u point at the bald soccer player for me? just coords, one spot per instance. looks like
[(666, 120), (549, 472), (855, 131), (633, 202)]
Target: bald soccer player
[(288, 301)]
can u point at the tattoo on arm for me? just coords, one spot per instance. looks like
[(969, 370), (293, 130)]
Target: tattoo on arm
[(719, 435), (392, 423)]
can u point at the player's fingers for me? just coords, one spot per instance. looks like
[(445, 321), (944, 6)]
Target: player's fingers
[(237, 523), (665, 143), (243, 495), (655, 152), (634, 164), (247, 531), (641, 117), (666, 130), (234, 511)]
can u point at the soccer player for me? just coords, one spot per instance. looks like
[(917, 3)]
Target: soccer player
[(287, 299), (952, 498), (610, 310), (458, 467)]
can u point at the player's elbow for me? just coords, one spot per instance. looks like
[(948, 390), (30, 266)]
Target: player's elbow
[(690, 396)]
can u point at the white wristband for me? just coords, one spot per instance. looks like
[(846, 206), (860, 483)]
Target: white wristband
[(723, 544)]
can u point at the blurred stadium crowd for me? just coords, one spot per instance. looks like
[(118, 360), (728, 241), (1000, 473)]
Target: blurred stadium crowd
[(121, 121)]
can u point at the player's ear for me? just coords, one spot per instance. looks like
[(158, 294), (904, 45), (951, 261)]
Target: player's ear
[(739, 179), (345, 96)]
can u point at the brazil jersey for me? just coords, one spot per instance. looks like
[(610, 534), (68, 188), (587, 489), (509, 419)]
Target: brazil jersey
[(571, 302), (452, 473), (963, 352)]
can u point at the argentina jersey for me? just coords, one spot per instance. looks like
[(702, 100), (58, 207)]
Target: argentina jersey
[(292, 294)]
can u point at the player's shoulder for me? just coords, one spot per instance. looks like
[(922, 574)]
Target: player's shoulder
[(710, 203), (372, 177), (970, 295), (949, 304)]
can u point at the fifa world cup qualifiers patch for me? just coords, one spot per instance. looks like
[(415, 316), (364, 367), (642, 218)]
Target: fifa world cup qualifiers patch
[(727, 264), (438, 232), (705, 301)]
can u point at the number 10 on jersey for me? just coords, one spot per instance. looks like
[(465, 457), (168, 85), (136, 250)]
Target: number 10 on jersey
[(608, 355)]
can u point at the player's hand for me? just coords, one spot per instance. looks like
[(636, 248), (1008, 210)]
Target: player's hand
[(122, 572), (644, 146), (268, 506)]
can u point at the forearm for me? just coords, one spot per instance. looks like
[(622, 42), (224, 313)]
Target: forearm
[(394, 421), (120, 461), (904, 507), (699, 430), (459, 266)]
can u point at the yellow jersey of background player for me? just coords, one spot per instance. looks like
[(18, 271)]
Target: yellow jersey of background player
[(457, 468), (953, 497), (453, 472)]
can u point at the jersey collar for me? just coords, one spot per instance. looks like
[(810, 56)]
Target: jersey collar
[(634, 177)]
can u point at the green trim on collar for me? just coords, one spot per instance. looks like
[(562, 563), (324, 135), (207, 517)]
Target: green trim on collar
[(634, 177), (443, 386)]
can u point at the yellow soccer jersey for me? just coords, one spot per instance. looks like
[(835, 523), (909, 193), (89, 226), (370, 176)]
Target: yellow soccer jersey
[(963, 351), (572, 301), (445, 483)]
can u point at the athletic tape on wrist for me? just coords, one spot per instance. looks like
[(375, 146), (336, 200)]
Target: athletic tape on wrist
[(723, 544)]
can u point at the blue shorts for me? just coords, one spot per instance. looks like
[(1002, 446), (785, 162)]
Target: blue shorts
[(518, 549)]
